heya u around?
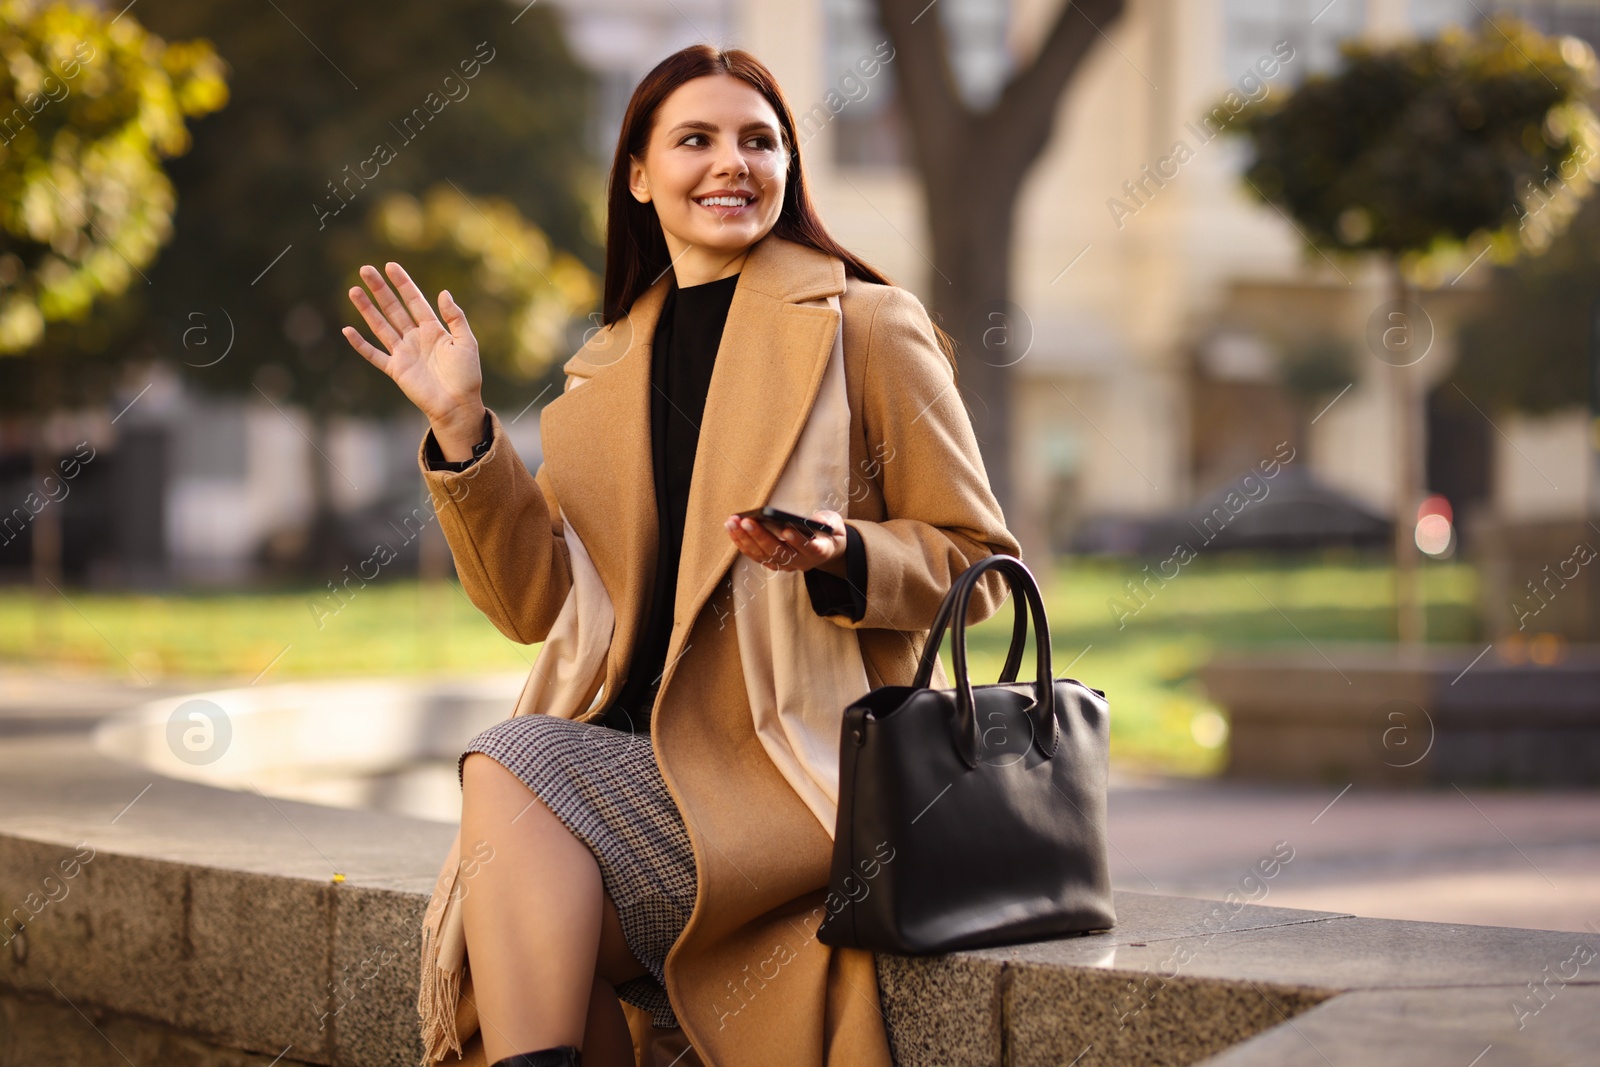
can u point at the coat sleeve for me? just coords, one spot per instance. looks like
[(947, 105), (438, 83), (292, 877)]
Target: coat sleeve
[(505, 531), (831, 594), (942, 514)]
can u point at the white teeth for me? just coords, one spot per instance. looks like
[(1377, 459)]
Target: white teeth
[(725, 201)]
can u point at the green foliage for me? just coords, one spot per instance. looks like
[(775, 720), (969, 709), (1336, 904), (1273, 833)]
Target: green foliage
[(336, 107), (523, 292), (1414, 150), (89, 106), (1527, 347)]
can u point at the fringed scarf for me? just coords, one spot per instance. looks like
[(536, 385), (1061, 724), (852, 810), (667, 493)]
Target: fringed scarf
[(800, 673)]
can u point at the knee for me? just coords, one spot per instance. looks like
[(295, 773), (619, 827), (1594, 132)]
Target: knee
[(477, 767), (485, 780), (491, 791), (477, 771)]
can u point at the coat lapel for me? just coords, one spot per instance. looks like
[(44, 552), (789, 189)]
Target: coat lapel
[(596, 436)]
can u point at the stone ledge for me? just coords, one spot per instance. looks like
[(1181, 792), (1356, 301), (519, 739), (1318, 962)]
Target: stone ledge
[(1166, 988), (1048, 1002), (1430, 1026), (38, 1030), (211, 912), (211, 918)]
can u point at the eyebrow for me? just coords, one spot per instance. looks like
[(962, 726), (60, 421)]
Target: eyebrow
[(711, 127)]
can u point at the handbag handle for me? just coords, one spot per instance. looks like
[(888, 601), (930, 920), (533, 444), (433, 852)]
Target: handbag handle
[(1019, 641), (1043, 711), (930, 650), (954, 608)]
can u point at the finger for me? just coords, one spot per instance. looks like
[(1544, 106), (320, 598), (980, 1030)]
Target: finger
[(793, 541), (455, 320), (833, 519), (791, 538), (416, 303), (746, 542), (360, 344), (797, 551), (760, 535), (780, 547), (745, 546), (394, 311), (374, 319)]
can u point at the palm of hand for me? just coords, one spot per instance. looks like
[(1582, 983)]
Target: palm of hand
[(428, 361)]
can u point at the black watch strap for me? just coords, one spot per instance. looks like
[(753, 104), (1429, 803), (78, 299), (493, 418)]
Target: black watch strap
[(437, 462)]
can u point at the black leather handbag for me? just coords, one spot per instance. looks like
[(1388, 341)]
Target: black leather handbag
[(975, 816)]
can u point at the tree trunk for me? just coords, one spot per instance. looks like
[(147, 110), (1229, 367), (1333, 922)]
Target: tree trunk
[(433, 595), (324, 550), (45, 533), (972, 263), (972, 165), (1410, 620)]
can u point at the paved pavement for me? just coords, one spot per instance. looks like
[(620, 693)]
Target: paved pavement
[(1494, 858), (1499, 858)]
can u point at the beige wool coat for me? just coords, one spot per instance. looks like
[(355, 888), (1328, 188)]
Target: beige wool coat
[(748, 980)]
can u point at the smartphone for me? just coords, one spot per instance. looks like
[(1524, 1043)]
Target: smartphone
[(787, 518)]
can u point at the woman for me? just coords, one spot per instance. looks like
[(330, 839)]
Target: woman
[(649, 849)]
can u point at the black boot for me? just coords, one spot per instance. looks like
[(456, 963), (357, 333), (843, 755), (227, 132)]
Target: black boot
[(561, 1056)]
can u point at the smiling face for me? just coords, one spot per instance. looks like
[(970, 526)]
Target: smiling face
[(715, 169)]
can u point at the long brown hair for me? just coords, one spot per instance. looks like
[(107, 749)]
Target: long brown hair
[(636, 249)]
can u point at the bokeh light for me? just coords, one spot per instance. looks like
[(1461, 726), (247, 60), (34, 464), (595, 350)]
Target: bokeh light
[(1435, 534)]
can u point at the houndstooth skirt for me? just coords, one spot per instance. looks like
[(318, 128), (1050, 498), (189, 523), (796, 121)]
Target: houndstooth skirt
[(605, 787)]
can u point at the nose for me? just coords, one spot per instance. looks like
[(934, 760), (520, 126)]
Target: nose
[(731, 161)]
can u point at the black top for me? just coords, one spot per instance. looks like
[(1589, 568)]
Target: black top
[(683, 354)]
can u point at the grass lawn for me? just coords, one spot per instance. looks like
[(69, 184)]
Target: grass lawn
[(1161, 718)]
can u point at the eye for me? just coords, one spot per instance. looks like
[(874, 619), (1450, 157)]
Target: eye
[(763, 142)]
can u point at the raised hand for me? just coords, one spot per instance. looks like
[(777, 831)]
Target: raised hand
[(434, 363)]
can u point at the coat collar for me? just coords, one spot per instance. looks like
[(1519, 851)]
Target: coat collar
[(597, 443)]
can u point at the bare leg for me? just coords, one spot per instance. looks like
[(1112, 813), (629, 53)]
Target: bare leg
[(607, 1041), (617, 962), (532, 916)]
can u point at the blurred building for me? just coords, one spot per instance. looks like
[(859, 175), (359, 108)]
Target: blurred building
[(1160, 309), (179, 488), (1159, 301)]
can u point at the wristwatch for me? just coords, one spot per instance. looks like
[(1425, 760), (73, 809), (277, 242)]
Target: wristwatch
[(437, 462)]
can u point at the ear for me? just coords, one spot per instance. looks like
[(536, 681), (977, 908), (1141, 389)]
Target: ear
[(637, 185)]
